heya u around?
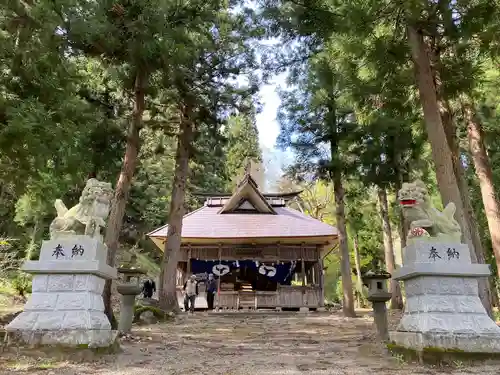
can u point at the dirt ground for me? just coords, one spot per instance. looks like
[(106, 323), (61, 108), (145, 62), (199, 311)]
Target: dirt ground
[(238, 344)]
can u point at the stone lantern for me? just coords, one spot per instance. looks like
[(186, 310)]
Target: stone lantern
[(378, 295), (129, 287)]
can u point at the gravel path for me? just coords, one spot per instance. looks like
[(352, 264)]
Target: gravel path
[(240, 344)]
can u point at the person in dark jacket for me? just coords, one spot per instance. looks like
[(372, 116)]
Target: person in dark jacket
[(190, 293), (148, 288), (211, 290)]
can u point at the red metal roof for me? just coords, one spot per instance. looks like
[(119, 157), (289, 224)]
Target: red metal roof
[(266, 221), (206, 222)]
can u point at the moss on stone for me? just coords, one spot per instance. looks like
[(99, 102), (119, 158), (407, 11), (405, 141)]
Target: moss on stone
[(157, 312), (440, 356), (111, 349), (77, 352)]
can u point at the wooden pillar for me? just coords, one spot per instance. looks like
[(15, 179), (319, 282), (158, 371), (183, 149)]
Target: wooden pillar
[(321, 278), (181, 275), (278, 256), (303, 274), (219, 255), (188, 268), (303, 264)]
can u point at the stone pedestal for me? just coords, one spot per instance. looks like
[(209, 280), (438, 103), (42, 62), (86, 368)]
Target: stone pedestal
[(378, 296), (443, 308), (128, 292), (66, 305), (380, 318)]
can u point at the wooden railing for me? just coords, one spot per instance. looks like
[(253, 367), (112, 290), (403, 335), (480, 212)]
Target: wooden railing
[(285, 297)]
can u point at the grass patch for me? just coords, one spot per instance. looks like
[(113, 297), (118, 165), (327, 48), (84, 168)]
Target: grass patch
[(46, 364), (26, 364), (52, 356), (31, 362)]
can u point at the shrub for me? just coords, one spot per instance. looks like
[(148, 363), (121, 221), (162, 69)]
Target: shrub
[(21, 282)]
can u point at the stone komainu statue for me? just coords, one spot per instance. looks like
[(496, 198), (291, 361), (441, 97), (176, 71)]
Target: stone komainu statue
[(88, 216), (423, 217)]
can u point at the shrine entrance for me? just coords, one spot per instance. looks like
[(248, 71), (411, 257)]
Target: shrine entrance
[(262, 253)]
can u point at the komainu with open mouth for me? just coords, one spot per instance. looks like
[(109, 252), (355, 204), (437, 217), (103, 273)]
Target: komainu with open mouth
[(423, 217)]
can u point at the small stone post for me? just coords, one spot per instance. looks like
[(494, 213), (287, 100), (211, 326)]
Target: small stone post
[(378, 296), (129, 289)]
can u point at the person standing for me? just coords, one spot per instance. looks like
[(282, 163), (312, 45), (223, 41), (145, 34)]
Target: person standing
[(148, 288), (190, 293), (211, 290)]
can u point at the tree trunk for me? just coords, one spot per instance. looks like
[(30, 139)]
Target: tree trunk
[(168, 291), (485, 175), (32, 244), (390, 263), (473, 235), (122, 188), (494, 292), (359, 282), (473, 238), (451, 131), (441, 152), (345, 263), (24, 31), (402, 225)]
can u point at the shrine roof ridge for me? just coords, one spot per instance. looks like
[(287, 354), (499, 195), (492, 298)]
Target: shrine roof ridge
[(289, 195), (248, 214)]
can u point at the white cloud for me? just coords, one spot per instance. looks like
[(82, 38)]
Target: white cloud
[(275, 160), (266, 120)]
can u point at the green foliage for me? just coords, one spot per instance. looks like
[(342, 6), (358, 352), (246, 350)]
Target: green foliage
[(318, 201), (332, 277), (21, 283), (242, 144), (68, 72), (364, 224), (354, 66)]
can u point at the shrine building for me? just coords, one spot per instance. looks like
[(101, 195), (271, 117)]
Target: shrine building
[(263, 253)]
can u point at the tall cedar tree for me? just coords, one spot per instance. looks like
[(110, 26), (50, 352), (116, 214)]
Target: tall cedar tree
[(242, 144), (139, 38), (459, 38), (53, 120), (414, 23), (205, 93), (314, 126)]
